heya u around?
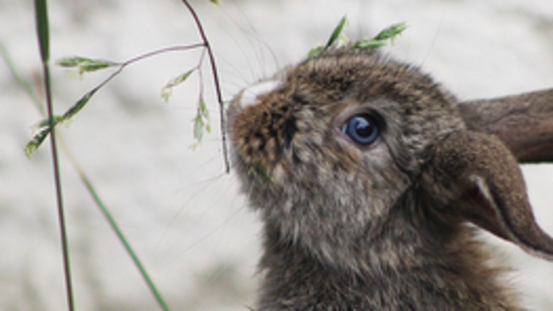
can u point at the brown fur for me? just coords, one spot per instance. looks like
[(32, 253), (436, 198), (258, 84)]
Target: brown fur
[(379, 227)]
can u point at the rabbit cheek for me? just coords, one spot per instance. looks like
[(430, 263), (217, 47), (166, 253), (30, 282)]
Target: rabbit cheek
[(254, 142)]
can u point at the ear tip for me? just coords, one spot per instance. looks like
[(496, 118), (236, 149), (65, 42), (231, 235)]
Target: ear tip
[(546, 255), (486, 172), (537, 243)]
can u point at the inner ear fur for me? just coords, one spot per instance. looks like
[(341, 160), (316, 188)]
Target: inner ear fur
[(478, 178)]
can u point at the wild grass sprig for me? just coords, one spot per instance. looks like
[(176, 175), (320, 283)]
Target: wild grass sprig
[(338, 39), (83, 65), (47, 126), (84, 178)]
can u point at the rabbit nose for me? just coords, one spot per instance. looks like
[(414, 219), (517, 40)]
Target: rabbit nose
[(250, 94)]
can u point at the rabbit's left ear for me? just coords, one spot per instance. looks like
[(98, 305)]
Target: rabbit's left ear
[(482, 180)]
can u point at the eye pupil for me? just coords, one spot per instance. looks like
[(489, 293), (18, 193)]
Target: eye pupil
[(362, 129)]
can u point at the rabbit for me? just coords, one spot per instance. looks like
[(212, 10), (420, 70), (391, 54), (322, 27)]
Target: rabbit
[(370, 187)]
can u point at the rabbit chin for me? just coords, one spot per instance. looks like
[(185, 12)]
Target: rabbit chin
[(340, 244), (340, 228)]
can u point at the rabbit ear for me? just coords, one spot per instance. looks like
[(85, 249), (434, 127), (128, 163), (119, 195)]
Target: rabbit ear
[(522, 122), (482, 180)]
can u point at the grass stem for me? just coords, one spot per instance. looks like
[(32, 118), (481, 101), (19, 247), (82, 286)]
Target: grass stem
[(215, 81), (41, 11)]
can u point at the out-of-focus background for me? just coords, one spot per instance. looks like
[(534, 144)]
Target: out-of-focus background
[(184, 216)]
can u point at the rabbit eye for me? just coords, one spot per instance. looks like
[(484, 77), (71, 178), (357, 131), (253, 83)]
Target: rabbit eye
[(362, 128)]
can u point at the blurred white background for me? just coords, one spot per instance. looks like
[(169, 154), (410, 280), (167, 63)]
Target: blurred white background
[(179, 210)]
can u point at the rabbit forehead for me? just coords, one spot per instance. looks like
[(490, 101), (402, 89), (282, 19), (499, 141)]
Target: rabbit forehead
[(423, 110), (365, 76)]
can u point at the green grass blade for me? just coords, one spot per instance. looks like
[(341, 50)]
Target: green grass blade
[(37, 140), (336, 33), (41, 17), (126, 244), (168, 88), (391, 32), (50, 123), (78, 106), (317, 51), (83, 64)]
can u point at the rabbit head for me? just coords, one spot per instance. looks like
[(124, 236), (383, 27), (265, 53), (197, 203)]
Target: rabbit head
[(358, 161)]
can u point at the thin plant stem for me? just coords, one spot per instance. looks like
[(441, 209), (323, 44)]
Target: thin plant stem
[(125, 242), (162, 51), (111, 220), (123, 65), (59, 194), (41, 11), (215, 81)]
